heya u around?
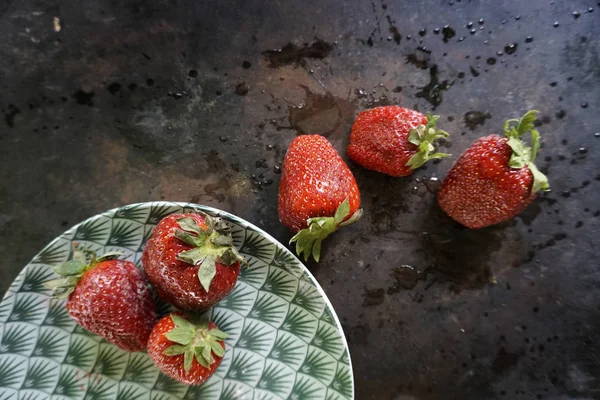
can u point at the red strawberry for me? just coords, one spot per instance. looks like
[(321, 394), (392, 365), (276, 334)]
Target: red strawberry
[(394, 140), (107, 297), (495, 179), (185, 349), (317, 193), (191, 261)]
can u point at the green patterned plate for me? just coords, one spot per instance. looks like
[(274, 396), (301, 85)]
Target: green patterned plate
[(285, 341)]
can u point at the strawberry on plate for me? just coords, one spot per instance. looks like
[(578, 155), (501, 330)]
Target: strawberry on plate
[(191, 261), (185, 348), (107, 297), (394, 140), (496, 178), (317, 193)]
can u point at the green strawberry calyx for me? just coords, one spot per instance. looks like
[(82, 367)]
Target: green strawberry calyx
[(195, 340), (73, 270), (211, 245), (523, 155), (308, 241), (423, 136)]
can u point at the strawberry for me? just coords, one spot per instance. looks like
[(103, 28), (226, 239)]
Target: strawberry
[(317, 193), (107, 297), (394, 140), (185, 348), (191, 261), (495, 179)]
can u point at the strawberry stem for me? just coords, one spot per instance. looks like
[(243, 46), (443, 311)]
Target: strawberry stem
[(309, 240), (210, 246), (523, 155), (73, 270), (195, 340), (423, 136)]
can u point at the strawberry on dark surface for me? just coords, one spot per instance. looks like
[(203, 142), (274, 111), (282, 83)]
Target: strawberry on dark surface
[(496, 178), (107, 297), (191, 261), (186, 349), (394, 140), (317, 193)]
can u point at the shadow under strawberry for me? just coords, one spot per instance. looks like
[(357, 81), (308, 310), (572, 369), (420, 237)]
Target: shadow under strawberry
[(456, 254)]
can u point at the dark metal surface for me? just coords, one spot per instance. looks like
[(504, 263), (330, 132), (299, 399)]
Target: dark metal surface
[(134, 101)]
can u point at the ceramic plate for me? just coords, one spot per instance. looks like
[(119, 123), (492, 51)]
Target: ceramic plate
[(285, 341)]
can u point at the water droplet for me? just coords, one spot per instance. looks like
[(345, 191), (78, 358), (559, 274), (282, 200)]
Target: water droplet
[(461, 39), (591, 9), (597, 134), (436, 31), (529, 39), (470, 25), (582, 150), (448, 33), (491, 61), (553, 84), (223, 139), (422, 32), (503, 21), (576, 14), (510, 48), (499, 53), (409, 37), (241, 89), (584, 105), (556, 24), (472, 31), (481, 21), (518, 17)]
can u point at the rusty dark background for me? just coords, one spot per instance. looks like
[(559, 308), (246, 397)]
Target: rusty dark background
[(181, 100)]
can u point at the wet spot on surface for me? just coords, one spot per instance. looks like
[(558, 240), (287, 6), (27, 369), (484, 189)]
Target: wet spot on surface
[(293, 54)]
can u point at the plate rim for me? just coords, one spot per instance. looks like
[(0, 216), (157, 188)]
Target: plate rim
[(210, 210)]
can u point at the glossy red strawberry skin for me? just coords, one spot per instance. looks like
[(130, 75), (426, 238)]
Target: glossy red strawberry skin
[(175, 281), (113, 300), (314, 182), (173, 365), (482, 189), (379, 139)]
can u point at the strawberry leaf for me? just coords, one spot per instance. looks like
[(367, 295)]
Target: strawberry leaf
[(210, 245), (521, 153), (181, 335), (175, 350), (342, 212), (217, 348), (540, 181), (535, 143), (207, 354), (308, 241), (182, 322), (206, 272), (423, 136), (201, 360), (111, 255), (526, 123), (188, 358), (190, 225), (70, 268), (187, 237), (218, 334)]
